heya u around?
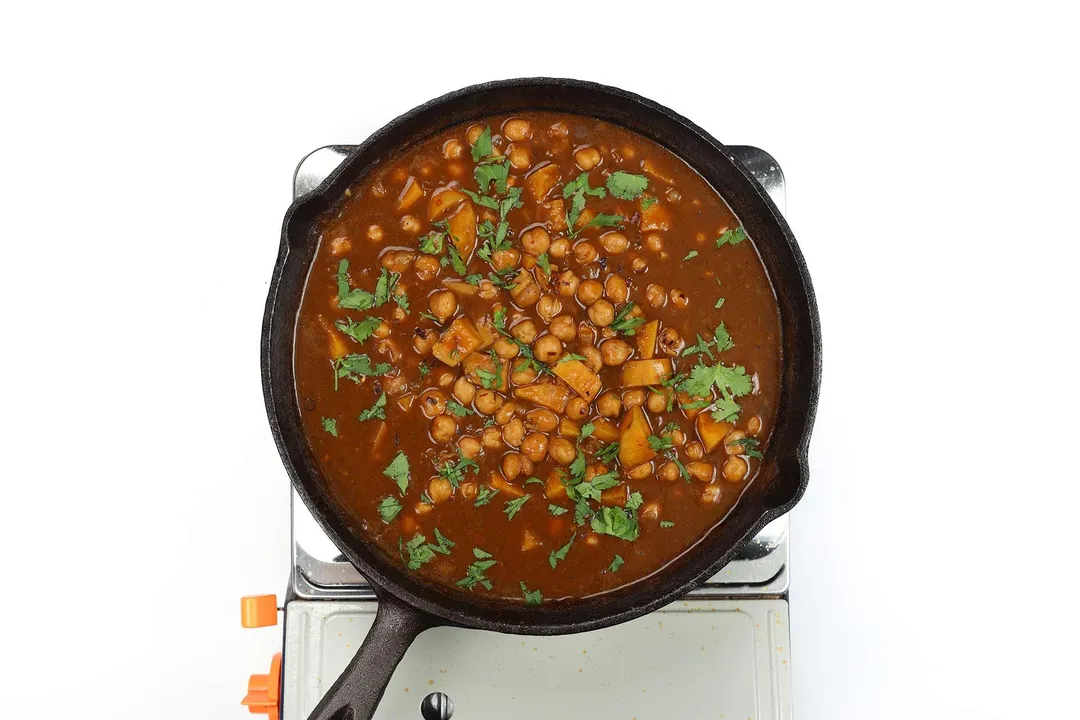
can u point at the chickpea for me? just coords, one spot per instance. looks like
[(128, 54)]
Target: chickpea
[(678, 437), (410, 224), (547, 348), (432, 403), (753, 425), (375, 233), (593, 357), (585, 252), (701, 470), (525, 376), (397, 260), (488, 291), (452, 149), (426, 267), (398, 315), (608, 404), (505, 413), (443, 428), (527, 295), (602, 313), (543, 420), (395, 385), (710, 495), (535, 446), (519, 157), (654, 242), (639, 265), (616, 289), (473, 134), (563, 327), (424, 339), (505, 259), (547, 307), (587, 157), (562, 451), (559, 248), (469, 446), (506, 348), (695, 450), (382, 330), (657, 401), (615, 352), (536, 240), (577, 409), (640, 472), (491, 438), (589, 292), (526, 465), (455, 169), (671, 342), (517, 129), (733, 443), (679, 299), (656, 295), (566, 283), (513, 432), (487, 402), (669, 472), (614, 242), (558, 129), (734, 469), (525, 331), (464, 390), (511, 466), (633, 398), (439, 489), (443, 304)]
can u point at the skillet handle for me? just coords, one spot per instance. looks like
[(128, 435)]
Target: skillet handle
[(356, 694)]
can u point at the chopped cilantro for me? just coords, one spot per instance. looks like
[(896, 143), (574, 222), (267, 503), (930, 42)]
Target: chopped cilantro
[(455, 259), (731, 237), (601, 220), (616, 564), (608, 453), (398, 471), (419, 551), (634, 501), (580, 184), (533, 480), (586, 430), (375, 411), (354, 366), (626, 186), (494, 172), (482, 200), (432, 243), (458, 409), (384, 286), (474, 575), (512, 506), (682, 468), (428, 316), (544, 263), (355, 299), (625, 324), (455, 472), (732, 381), (571, 356), (749, 446), (666, 523), (647, 202), (690, 255), (330, 425), (389, 508), (402, 300), (444, 543), (358, 331), (484, 495), (482, 148), (617, 522), (557, 510), (531, 597), (560, 554), (659, 444)]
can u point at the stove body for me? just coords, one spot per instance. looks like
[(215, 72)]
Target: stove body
[(720, 652)]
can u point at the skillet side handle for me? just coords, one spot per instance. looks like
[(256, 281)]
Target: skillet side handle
[(356, 694)]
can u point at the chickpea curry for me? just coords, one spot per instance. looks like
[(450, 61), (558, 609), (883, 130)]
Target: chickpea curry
[(537, 357)]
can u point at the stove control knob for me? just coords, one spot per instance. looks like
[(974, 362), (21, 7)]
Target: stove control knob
[(264, 691), (258, 611)]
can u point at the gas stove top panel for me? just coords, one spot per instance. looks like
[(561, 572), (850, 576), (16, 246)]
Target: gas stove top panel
[(708, 658)]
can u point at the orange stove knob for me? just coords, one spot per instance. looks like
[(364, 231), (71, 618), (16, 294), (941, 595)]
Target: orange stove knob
[(258, 611), (264, 691)]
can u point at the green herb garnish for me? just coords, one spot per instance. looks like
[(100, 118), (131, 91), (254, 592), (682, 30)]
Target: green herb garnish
[(616, 564), (458, 409), (625, 324), (544, 263), (330, 425), (419, 551), (484, 495), (731, 237), (354, 366), (557, 510), (617, 522), (358, 331), (455, 472), (474, 575), (608, 453), (749, 446), (659, 444), (647, 202), (355, 299), (389, 508), (398, 471), (531, 598), (443, 544), (375, 411), (666, 524), (626, 186), (512, 506), (560, 554), (690, 255)]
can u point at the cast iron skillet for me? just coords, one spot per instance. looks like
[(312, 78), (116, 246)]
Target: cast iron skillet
[(407, 607)]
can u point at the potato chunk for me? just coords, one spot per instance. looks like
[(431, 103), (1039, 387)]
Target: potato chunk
[(456, 342), (654, 217), (409, 194), (641, 373), (634, 432), (710, 431), (463, 230), (442, 200), (478, 361), (541, 180), (501, 485), (605, 430), (550, 395), (646, 339), (580, 378)]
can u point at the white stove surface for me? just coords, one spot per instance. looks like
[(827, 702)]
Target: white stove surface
[(720, 653)]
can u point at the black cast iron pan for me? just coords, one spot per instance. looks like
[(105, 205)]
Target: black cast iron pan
[(408, 606)]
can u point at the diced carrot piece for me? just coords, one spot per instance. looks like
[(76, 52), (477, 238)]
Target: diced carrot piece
[(641, 373), (634, 431), (605, 430), (614, 496), (580, 378), (477, 361), (550, 395), (409, 194), (442, 200), (646, 339), (554, 487), (541, 180), (654, 217), (456, 342), (710, 431), (463, 230), (529, 540), (501, 485)]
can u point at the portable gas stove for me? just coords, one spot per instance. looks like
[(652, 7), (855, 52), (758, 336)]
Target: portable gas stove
[(720, 652)]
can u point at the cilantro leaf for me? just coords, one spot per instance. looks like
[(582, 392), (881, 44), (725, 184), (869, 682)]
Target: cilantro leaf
[(682, 468), (580, 185), (626, 186), (557, 510), (389, 509), (482, 200), (634, 501), (398, 471), (482, 148), (659, 444), (375, 411), (601, 220), (749, 446), (544, 263), (560, 554), (731, 237), (616, 564), (690, 255), (666, 523), (625, 324), (531, 598), (577, 204), (419, 551), (432, 243), (512, 506), (384, 286), (586, 430), (443, 543), (732, 381), (354, 366), (458, 409), (474, 574), (617, 522), (358, 331), (455, 259), (484, 495), (330, 425), (351, 299), (533, 480), (571, 356), (455, 472), (608, 453), (492, 173), (647, 202)]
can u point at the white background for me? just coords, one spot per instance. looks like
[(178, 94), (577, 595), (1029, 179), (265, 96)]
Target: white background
[(930, 153)]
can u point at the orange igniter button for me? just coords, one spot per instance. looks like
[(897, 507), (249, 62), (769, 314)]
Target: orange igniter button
[(258, 611)]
